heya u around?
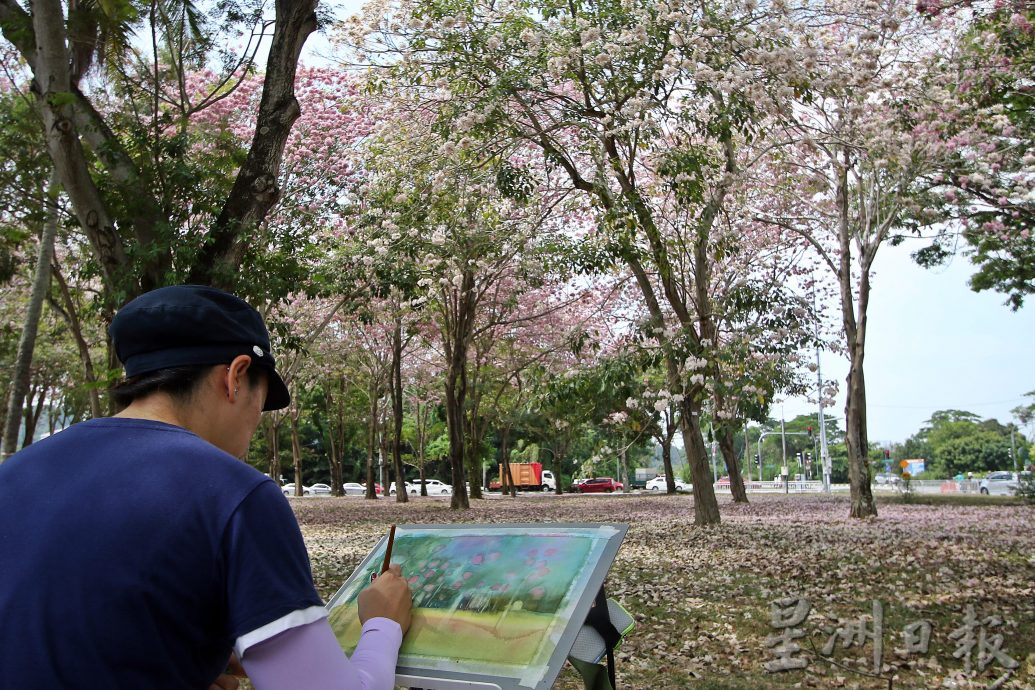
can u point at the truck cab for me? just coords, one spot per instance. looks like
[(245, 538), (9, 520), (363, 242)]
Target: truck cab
[(549, 482)]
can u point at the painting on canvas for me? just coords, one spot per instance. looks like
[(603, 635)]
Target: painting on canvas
[(490, 600)]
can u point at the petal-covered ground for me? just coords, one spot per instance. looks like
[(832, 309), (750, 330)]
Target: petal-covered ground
[(702, 597)]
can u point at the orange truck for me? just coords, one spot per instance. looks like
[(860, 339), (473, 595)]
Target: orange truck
[(526, 476)]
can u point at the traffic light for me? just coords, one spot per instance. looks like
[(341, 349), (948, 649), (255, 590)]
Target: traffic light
[(809, 429)]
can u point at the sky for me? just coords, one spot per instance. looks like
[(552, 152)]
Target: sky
[(933, 344)]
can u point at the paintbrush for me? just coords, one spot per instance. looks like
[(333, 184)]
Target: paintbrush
[(388, 549)]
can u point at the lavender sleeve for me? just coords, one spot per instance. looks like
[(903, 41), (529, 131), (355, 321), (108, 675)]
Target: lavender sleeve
[(309, 656)]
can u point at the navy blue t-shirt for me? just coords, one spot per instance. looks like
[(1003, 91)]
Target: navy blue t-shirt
[(133, 554)]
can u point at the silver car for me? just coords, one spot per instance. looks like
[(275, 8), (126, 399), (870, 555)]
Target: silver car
[(1002, 483)]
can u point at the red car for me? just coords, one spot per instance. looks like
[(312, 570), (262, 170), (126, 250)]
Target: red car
[(600, 485)]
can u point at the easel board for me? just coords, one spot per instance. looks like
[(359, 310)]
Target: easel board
[(496, 607)]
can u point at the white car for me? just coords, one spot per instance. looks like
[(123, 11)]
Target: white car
[(354, 489), (409, 488), (314, 490), (658, 484), (435, 487), (1002, 483)]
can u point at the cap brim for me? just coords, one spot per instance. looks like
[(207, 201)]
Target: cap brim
[(277, 396)]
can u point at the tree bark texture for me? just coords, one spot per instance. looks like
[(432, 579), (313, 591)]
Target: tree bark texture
[(27, 342), (456, 335), (372, 446), (397, 411), (729, 455), (33, 408), (666, 461), (68, 311), (856, 441), (53, 87), (273, 441), (335, 432), (706, 507), (296, 446), (255, 189)]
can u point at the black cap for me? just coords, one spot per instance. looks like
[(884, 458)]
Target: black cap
[(181, 325)]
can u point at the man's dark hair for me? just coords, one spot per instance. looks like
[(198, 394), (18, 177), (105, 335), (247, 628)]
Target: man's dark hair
[(177, 382)]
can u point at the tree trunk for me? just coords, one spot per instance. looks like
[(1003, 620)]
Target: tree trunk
[(384, 463), (71, 316), (456, 337), (273, 441), (296, 446), (335, 422), (397, 410), (455, 426), (255, 189), (856, 440), (706, 507), (666, 459), (27, 342), (473, 457), (504, 453), (558, 458), (53, 87), (858, 444), (732, 465), (33, 409), (372, 447)]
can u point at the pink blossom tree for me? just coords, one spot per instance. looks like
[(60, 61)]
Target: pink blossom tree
[(595, 91)]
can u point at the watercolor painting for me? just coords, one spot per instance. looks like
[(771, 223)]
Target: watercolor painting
[(492, 599)]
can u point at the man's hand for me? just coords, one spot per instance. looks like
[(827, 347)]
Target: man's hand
[(229, 680), (388, 597)]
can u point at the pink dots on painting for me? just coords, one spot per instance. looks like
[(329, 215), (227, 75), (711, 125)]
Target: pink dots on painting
[(549, 552), (494, 556), (500, 588), (412, 579), (533, 552), (430, 574), (429, 588), (458, 584), (537, 592), (467, 575), (477, 559)]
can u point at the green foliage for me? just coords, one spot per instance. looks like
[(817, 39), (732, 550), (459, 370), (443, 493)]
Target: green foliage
[(1026, 487), (999, 227), (956, 441)]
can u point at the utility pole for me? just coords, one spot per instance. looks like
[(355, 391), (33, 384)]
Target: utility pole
[(1013, 447), (783, 440), (823, 453)]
